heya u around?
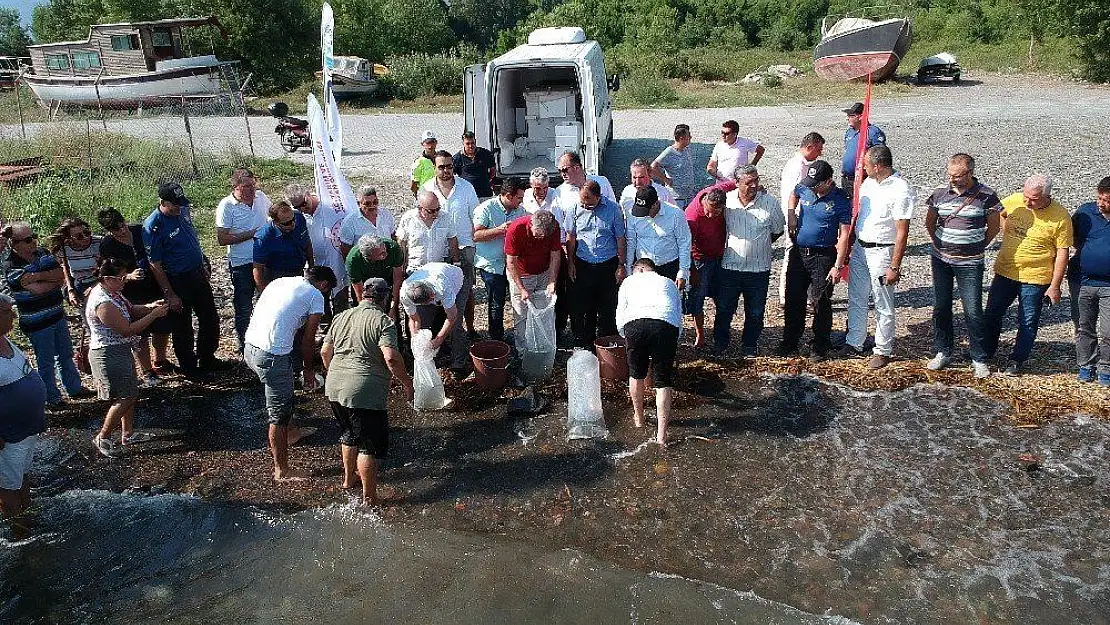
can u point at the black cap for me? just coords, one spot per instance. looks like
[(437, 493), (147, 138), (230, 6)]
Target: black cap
[(855, 109), (173, 193), (646, 197), (816, 173)]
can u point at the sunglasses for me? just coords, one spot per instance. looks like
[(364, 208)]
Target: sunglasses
[(28, 239), (116, 227), (725, 133), (445, 167), (431, 211), (287, 224), (564, 170)]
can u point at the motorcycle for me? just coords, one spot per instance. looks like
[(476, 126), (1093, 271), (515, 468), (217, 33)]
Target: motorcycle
[(292, 132)]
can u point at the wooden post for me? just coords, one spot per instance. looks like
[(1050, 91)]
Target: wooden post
[(189, 131), (246, 119), (19, 104), (99, 103)]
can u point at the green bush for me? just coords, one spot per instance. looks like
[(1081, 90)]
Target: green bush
[(646, 91), (413, 76)]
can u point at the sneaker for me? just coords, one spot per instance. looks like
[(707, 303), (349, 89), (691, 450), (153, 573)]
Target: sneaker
[(1104, 379), (878, 361), (104, 446), (151, 380), (138, 437), (851, 351), (981, 369), (1086, 374), (940, 361), (1014, 368)]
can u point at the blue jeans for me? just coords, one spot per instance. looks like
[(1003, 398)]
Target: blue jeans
[(1030, 300), (752, 285), (242, 299), (54, 353), (969, 279), (497, 289), (276, 374), (707, 285)]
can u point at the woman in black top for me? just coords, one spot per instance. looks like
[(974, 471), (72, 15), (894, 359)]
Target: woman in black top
[(126, 243)]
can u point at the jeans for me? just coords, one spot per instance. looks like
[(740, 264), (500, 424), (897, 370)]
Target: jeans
[(708, 271), (752, 285), (497, 289), (808, 280), (595, 300), (195, 292), (276, 374), (865, 267), (53, 349), (969, 279), (242, 287), (1030, 298), (1094, 320)]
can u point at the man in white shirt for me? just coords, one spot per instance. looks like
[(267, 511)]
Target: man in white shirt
[(458, 199), (239, 216), (539, 197), (732, 151), (325, 245), (371, 218), (882, 228), (640, 173), (659, 231), (575, 176), (286, 318), (431, 298), (753, 221), (425, 235), (649, 317), (813, 145)]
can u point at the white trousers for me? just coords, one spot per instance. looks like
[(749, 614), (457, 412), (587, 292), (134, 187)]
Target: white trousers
[(864, 269)]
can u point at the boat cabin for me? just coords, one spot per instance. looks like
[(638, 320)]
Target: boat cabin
[(120, 49)]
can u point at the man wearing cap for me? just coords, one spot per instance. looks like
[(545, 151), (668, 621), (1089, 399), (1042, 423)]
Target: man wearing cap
[(424, 167), (377, 257), (706, 218), (475, 165), (283, 247), (491, 223), (882, 229), (753, 221), (179, 267), (875, 136), (659, 231), (596, 247), (458, 199), (361, 352), (821, 229), (732, 151), (430, 296), (675, 167), (282, 333), (533, 254), (813, 145), (426, 234), (240, 216), (640, 174)]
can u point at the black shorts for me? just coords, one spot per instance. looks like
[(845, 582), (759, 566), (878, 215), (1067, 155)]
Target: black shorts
[(366, 429), (651, 342)]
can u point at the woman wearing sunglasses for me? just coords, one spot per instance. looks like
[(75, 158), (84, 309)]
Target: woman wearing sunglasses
[(77, 250)]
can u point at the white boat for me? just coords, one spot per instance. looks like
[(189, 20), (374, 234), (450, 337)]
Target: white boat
[(129, 65), (354, 76)]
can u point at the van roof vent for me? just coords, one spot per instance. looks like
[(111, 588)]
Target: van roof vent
[(556, 36)]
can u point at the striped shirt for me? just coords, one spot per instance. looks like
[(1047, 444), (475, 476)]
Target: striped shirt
[(750, 228), (961, 233), (35, 311), (82, 265)]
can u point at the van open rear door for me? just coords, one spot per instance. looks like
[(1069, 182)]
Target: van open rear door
[(475, 111)]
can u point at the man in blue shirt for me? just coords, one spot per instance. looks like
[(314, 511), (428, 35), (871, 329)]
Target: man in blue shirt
[(875, 136), (282, 247), (596, 249), (181, 271), (1091, 225), (820, 231)]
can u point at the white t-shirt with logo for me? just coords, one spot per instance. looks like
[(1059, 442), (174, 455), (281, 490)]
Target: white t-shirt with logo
[(283, 308)]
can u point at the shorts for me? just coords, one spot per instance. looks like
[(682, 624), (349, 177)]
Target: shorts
[(363, 428), (113, 368), (654, 343), (15, 459)]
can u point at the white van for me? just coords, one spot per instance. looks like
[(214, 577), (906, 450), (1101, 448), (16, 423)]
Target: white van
[(541, 99)]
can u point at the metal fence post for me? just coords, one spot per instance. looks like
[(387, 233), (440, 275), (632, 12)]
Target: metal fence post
[(19, 105), (246, 119), (189, 131)]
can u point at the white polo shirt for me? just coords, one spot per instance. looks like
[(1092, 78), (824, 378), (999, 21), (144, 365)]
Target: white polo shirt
[(238, 218), (446, 280), (460, 205), (729, 157), (553, 203), (880, 205), (426, 244), (749, 228), (792, 174), (280, 311), (356, 224), (628, 196)]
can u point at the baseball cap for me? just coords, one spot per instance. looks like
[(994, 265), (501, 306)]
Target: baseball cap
[(646, 197), (816, 173), (855, 109), (173, 193), (377, 287), (428, 136)]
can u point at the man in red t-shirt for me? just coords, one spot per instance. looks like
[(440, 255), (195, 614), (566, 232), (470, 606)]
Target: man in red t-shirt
[(533, 250), (707, 246)]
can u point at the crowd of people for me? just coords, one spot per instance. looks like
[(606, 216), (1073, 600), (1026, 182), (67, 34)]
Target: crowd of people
[(631, 264)]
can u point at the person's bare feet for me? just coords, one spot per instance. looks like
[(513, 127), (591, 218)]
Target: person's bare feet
[(296, 434), (289, 475), (662, 442), (350, 484), (638, 420)]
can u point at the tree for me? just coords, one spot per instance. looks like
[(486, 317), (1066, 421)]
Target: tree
[(13, 37), (1089, 22)]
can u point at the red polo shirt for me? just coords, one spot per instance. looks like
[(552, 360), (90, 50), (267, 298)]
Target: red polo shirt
[(533, 254), (707, 236)]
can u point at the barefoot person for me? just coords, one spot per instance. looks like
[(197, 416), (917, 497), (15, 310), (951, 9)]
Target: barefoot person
[(649, 316), (22, 419), (286, 316), (360, 353)]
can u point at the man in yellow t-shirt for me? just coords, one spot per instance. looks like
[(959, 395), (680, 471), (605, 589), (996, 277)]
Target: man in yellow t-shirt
[(1036, 235)]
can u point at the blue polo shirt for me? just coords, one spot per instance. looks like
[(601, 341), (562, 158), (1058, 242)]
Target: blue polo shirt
[(172, 241), (851, 143), (597, 230), (820, 219), (1092, 243), (283, 253)]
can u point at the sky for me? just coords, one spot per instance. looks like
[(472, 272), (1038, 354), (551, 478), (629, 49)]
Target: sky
[(24, 7)]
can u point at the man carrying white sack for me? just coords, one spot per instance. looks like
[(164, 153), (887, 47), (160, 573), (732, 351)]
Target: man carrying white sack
[(429, 297)]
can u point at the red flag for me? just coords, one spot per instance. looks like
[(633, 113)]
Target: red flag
[(861, 147)]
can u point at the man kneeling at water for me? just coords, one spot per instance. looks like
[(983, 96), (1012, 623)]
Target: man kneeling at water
[(285, 317), (649, 317), (360, 352)]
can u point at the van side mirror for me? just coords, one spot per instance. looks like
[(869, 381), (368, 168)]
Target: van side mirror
[(614, 83)]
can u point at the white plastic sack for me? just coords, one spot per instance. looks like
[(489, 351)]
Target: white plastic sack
[(427, 384), (585, 418), (537, 350)]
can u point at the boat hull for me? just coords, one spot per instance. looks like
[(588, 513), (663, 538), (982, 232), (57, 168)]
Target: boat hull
[(877, 50), (147, 89)]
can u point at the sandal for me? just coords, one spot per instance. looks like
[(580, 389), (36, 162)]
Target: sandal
[(104, 446)]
